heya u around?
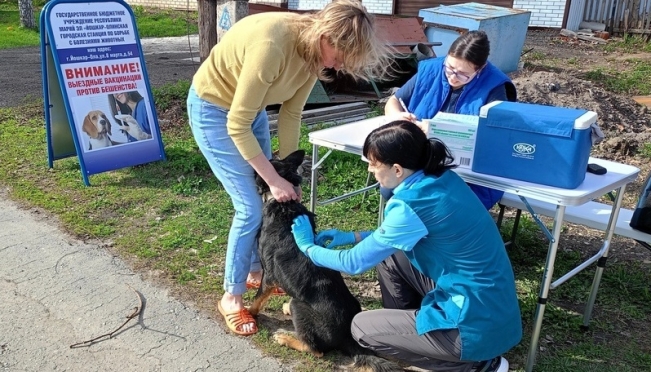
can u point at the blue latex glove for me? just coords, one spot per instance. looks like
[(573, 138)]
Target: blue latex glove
[(336, 237), (303, 233)]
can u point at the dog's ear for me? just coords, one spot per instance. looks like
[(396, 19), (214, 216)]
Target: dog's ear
[(295, 158), (89, 127), (108, 125)]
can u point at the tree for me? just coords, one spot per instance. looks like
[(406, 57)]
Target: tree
[(26, 14), (207, 27)]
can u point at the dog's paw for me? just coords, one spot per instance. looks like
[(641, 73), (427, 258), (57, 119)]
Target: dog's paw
[(286, 309), (282, 338)]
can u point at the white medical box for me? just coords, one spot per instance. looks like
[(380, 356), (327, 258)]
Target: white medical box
[(458, 132)]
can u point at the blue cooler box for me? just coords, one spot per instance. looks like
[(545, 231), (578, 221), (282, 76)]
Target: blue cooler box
[(541, 144)]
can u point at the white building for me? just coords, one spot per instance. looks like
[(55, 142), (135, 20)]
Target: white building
[(544, 13)]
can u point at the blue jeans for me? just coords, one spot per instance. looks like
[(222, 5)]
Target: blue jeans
[(208, 123)]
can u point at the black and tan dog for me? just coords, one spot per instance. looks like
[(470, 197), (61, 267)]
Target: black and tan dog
[(321, 306)]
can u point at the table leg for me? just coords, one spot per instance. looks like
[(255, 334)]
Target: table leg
[(601, 264), (546, 283), (314, 172)]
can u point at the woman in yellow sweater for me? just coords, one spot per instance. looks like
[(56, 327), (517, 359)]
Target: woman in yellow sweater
[(268, 58)]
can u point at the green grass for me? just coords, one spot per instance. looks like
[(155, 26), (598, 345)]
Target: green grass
[(176, 217), (629, 44), (170, 94), (535, 56), (646, 150), (633, 79), (151, 22), (164, 22), (11, 34)]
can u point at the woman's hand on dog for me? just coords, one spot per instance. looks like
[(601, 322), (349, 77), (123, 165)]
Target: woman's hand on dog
[(284, 191), (303, 233), (336, 237)]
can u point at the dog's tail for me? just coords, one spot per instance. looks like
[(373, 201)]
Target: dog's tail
[(371, 363)]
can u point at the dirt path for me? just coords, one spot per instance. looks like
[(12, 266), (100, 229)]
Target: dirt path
[(167, 60)]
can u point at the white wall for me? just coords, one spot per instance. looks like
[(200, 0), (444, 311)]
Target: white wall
[(544, 13), (306, 4), (373, 6)]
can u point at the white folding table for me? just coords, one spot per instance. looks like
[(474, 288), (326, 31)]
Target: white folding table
[(350, 138)]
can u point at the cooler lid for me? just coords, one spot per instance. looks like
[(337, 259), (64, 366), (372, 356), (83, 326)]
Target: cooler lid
[(585, 120), (551, 120)]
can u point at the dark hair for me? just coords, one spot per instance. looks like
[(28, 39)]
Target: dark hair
[(403, 142), (473, 46), (133, 96)]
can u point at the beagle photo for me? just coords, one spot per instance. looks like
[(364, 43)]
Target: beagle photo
[(98, 128)]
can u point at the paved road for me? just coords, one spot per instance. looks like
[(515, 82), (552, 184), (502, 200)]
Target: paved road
[(56, 291), (167, 60)]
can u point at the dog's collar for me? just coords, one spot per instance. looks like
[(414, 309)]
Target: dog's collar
[(268, 196)]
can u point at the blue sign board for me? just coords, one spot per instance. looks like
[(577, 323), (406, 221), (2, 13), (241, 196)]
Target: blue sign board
[(95, 86)]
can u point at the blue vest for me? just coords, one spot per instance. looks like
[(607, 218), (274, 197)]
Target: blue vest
[(432, 88), (140, 115), (464, 255)]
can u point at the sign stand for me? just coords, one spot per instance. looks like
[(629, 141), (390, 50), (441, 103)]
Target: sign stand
[(97, 99)]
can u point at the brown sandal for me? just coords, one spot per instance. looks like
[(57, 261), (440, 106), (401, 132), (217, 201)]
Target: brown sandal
[(236, 319)]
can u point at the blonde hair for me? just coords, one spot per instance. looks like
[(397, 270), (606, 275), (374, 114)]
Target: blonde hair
[(350, 29)]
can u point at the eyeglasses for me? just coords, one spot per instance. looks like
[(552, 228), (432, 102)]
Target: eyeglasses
[(463, 78)]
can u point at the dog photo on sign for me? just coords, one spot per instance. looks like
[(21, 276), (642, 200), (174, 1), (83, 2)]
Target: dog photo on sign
[(96, 127)]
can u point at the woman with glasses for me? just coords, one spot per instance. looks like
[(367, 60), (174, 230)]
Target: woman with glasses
[(460, 83)]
